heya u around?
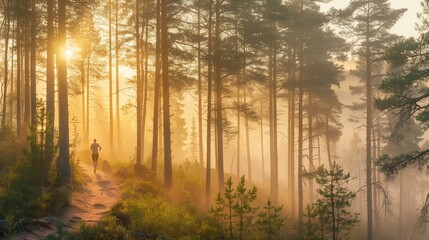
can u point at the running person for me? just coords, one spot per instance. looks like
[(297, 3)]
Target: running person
[(95, 147)]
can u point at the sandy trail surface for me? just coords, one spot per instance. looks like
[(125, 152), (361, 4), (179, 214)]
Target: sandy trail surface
[(89, 203)]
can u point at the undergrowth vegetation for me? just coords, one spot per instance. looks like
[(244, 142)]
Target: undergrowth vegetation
[(146, 211), (28, 187)]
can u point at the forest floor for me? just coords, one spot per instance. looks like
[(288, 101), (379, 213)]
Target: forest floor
[(89, 203)]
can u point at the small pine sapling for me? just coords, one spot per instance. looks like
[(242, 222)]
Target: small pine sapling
[(271, 221)]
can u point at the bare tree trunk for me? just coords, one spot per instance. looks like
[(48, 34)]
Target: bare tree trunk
[(218, 92), (401, 200), (146, 91), (238, 130), (374, 179), (6, 62), (12, 72), (291, 140), (200, 98), (87, 93), (50, 79), (82, 86), (112, 150), (368, 138), (63, 162), (139, 88), (273, 127), (33, 62), (27, 92), (262, 143), (155, 125), (328, 142), (18, 78), (168, 165), (310, 144), (209, 106), (300, 132), (118, 115), (249, 160)]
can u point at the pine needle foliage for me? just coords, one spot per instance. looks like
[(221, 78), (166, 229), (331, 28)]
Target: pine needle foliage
[(329, 217)]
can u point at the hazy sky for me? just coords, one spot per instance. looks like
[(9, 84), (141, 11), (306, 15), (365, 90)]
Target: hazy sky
[(405, 26)]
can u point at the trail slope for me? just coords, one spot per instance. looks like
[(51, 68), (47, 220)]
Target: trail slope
[(89, 203)]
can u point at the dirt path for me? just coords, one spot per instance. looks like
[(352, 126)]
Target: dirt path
[(89, 203)]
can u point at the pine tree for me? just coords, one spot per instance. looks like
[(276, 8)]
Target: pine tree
[(329, 217), (234, 209), (405, 92), (271, 220), (367, 23)]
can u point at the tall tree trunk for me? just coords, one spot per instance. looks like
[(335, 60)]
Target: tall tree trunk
[(139, 87), (273, 129), (239, 85), (209, 106), (118, 115), (328, 137), (50, 79), (63, 162), (83, 85), (262, 143), (168, 171), (18, 78), (6, 62), (300, 131), (12, 76), (374, 180), (377, 155), (33, 62), (27, 92), (145, 67), (368, 136), (111, 80), (200, 92), (310, 144), (157, 84), (218, 92), (291, 137), (401, 200), (238, 129), (249, 160), (88, 62)]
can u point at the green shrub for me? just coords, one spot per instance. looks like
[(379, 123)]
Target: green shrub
[(19, 197), (10, 149), (153, 215), (108, 228)]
